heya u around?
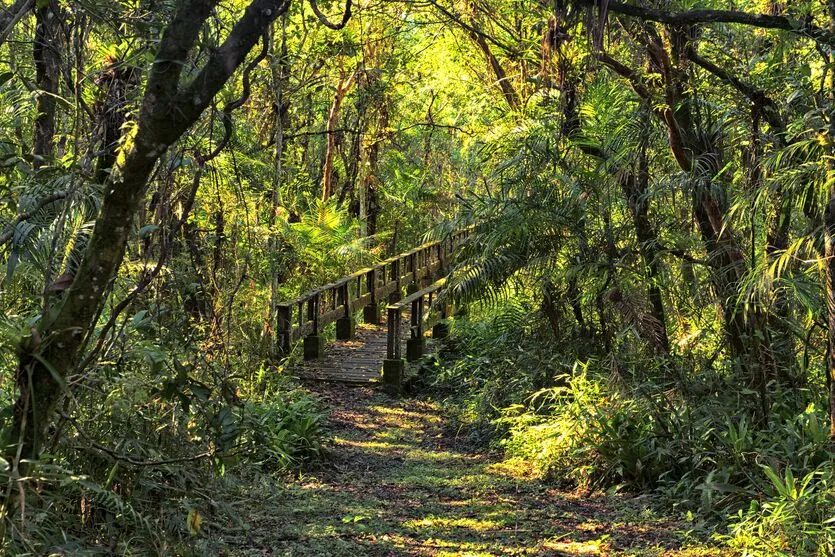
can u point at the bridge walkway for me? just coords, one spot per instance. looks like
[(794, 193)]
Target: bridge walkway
[(362, 351)]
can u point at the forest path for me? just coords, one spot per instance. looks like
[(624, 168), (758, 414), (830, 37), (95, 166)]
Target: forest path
[(398, 483)]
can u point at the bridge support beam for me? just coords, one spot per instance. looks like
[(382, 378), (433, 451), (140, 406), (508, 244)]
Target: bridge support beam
[(314, 347), (345, 328), (394, 370)]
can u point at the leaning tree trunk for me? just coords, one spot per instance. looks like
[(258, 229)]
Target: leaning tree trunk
[(279, 69), (342, 89), (168, 109)]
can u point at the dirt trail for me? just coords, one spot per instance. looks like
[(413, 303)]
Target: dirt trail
[(396, 484)]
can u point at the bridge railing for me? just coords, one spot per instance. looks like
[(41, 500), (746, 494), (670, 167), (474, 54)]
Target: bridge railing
[(425, 313), (305, 316)]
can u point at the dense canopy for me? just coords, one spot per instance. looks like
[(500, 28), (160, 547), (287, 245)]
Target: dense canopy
[(646, 302)]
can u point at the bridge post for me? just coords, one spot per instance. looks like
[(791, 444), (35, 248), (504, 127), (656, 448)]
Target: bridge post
[(395, 268), (394, 368), (284, 328), (441, 329), (413, 285), (345, 324), (314, 343), (416, 345), (371, 312), (424, 263)]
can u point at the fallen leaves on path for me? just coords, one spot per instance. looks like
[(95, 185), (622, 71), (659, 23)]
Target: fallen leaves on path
[(395, 484)]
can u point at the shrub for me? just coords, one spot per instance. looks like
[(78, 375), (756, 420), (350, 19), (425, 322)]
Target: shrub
[(284, 432)]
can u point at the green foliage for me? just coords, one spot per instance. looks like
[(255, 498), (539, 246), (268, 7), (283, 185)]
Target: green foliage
[(284, 432), (686, 437), (494, 366), (647, 277), (793, 518)]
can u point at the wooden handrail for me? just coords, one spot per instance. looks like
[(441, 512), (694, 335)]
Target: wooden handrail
[(417, 295), (308, 313), (422, 317)]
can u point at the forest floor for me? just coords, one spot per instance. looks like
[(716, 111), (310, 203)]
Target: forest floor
[(398, 482)]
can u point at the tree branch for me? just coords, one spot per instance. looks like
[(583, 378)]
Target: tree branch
[(226, 114), (195, 97), (324, 20), (756, 96), (469, 28), (695, 17), (677, 145), (10, 17), (508, 91), (626, 72)]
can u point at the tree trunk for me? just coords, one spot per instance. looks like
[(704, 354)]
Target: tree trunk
[(551, 310), (695, 153), (111, 111), (829, 243), (46, 52), (278, 66), (636, 190), (342, 89), (509, 93), (167, 111)]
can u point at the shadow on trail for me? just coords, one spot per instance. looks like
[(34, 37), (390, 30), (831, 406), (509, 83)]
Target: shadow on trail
[(396, 485)]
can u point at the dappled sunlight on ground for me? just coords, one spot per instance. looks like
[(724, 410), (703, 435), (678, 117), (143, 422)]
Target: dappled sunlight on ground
[(395, 485)]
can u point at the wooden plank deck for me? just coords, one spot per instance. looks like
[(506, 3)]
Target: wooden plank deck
[(358, 361)]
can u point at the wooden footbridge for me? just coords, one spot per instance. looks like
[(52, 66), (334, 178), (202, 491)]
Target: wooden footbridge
[(372, 351)]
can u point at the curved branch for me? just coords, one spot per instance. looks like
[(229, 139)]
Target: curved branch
[(226, 115), (674, 134), (324, 20), (695, 17), (508, 91), (10, 17), (757, 96)]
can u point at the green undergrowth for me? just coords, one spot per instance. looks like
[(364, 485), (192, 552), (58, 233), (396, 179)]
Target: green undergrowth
[(187, 452), (687, 439)]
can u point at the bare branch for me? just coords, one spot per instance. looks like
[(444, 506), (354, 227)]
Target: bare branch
[(470, 28)]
